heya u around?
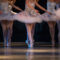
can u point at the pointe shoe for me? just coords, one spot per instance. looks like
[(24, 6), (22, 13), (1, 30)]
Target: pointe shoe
[(9, 44), (30, 44), (26, 41)]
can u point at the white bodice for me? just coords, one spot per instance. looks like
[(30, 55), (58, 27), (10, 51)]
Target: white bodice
[(28, 9), (51, 6), (5, 8)]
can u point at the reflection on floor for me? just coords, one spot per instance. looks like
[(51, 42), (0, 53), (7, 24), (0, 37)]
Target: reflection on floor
[(9, 53)]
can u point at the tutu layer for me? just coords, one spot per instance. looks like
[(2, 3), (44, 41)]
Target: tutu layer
[(49, 17), (57, 12), (27, 18), (8, 16)]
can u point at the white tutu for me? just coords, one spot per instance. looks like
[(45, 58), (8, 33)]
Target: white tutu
[(8, 16), (49, 17), (57, 12), (25, 17)]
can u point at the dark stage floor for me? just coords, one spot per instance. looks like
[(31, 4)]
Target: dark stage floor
[(15, 53)]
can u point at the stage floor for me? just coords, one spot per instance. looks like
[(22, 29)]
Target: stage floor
[(17, 53)]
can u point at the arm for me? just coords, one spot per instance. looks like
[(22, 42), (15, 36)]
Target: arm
[(41, 7), (15, 6)]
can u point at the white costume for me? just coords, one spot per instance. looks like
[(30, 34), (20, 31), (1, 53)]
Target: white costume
[(58, 22), (5, 8), (57, 12), (29, 15), (51, 8)]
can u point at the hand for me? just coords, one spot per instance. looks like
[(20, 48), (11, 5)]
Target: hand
[(21, 10), (36, 11), (49, 13)]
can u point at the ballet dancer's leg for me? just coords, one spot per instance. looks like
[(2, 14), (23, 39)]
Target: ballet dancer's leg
[(29, 29), (10, 30), (32, 32), (52, 31), (7, 32), (4, 27), (27, 35)]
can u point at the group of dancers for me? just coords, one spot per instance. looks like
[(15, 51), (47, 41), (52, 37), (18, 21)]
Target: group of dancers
[(30, 16)]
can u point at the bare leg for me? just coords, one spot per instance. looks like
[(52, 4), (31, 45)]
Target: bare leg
[(27, 35), (32, 32), (29, 29), (10, 30), (4, 32), (52, 31), (7, 32)]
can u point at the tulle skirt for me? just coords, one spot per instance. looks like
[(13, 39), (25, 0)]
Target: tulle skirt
[(54, 17), (57, 12), (25, 17), (49, 17), (8, 16)]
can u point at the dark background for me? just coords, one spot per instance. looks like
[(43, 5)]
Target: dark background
[(42, 33)]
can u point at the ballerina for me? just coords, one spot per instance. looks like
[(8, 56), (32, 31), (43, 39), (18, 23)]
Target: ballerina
[(6, 18), (52, 23), (30, 16), (51, 19), (58, 14)]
